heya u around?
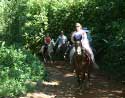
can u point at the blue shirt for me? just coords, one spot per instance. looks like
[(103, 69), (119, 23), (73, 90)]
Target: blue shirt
[(61, 39)]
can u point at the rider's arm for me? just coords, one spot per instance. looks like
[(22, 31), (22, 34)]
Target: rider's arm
[(84, 35), (66, 39), (57, 40)]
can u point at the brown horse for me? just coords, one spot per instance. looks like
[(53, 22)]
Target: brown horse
[(82, 64)]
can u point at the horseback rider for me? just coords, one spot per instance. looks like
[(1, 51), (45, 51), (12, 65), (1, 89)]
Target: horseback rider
[(89, 37), (69, 47), (88, 34), (81, 35), (61, 40), (47, 40)]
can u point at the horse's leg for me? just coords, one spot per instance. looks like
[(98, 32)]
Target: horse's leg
[(83, 73), (65, 54), (88, 70), (47, 56), (78, 76), (73, 68), (78, 79), (50, 56), (43, 54), (88, 80), (88, 76), (53, 55), (83, 80), (57, 51), (44, 58), (72, 60)]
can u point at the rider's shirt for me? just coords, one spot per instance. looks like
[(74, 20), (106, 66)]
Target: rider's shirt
[(84, 40), (77, 36), (61, 39), (47, 40)]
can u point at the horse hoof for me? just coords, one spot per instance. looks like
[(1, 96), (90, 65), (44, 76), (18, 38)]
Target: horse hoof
[(87, 85)]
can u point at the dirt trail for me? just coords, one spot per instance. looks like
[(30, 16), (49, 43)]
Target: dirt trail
[(62, 84)]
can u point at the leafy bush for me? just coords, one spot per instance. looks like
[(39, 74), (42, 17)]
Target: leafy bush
[(11, 88), (33, 19), (36, 24), (16, 68), (113, 60)]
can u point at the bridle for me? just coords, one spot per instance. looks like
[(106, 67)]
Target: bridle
[(78, 47)]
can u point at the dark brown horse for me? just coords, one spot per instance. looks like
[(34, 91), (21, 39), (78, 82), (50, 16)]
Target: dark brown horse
[(82, 64)]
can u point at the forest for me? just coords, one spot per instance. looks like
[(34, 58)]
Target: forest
[(24, 23)]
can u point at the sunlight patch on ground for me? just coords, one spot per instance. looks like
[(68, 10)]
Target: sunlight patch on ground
[(117, 91), (59, 67), (53, 83), (103, 91), (68, 75), (39, 95)]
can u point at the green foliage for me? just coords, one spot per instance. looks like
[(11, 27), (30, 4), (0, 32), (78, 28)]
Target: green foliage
[(27, 21), (104, 19), (16, 68), (11, 88), (114, 60), (35, 25), (13, 18)]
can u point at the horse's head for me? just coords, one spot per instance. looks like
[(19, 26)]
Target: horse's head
[(51, 46), (78, 48), (67, 43), (52, 43)]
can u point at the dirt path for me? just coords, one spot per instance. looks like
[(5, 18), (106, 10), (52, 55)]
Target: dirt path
[(62, 84)]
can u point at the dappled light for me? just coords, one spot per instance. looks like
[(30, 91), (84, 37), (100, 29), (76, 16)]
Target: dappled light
[(62, 48), (52, 83), (62, 84), (69, 75), (39, 95)]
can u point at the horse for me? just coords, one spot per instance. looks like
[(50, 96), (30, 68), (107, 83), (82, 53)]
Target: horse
[(48, 53), (82, 64), (67, 51), (60, 51)]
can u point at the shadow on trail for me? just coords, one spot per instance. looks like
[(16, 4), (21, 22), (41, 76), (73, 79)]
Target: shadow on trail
[(62, 84)]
